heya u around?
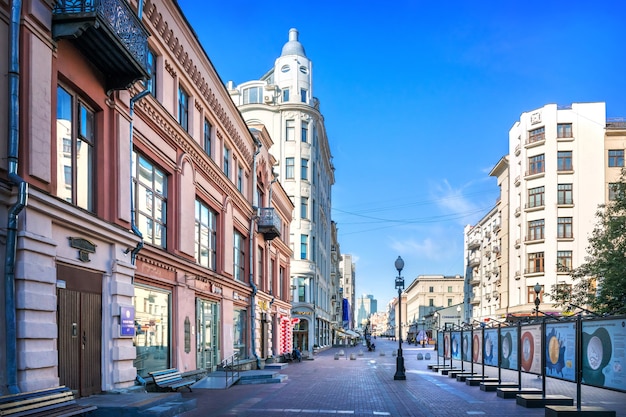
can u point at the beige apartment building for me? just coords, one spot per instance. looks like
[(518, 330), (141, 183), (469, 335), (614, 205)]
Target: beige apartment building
[(562, 162)]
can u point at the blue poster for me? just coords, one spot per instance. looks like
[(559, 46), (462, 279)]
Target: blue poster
[(490, 345), (508, 347), (604, 353), (561, 350), (456, 345), (466, 346)]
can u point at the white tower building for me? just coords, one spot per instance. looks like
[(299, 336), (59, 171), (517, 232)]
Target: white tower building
[(283, 101)]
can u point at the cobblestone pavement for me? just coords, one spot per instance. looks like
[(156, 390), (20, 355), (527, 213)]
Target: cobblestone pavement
[(365, 387)]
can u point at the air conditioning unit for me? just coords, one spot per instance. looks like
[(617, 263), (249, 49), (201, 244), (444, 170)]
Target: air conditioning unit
[(267, 99)]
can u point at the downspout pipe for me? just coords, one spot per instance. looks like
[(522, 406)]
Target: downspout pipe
[(22, 199), (133, 211), (255, 290)]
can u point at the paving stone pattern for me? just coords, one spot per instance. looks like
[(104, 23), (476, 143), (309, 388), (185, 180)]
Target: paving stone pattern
[(326, 386)]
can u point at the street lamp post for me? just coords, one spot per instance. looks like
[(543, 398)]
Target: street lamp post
[(537, 289), (458, 316), (400, 375)]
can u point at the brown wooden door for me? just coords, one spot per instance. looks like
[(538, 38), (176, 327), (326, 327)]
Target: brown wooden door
[(80, 331)]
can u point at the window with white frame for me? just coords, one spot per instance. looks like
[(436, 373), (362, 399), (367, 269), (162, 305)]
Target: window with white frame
[(206, 236), (289, 168), (150, 197), (239, 256), (75, 149)]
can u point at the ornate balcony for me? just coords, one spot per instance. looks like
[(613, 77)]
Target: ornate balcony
[(269, 223), (109, 34)]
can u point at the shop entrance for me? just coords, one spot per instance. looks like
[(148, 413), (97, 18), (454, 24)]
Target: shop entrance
[(301, 335), (207, 336)]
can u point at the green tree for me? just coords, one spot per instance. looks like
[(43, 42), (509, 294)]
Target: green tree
[(600, 282)]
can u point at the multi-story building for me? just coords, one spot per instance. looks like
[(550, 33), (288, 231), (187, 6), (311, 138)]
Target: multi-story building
[(139, 205), (556, 185), (283, 101), (366, 306), (483, 279), (348, 284), (427, 294)]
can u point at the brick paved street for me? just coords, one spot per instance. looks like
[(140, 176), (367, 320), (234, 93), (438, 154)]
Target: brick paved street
[(365, 387)]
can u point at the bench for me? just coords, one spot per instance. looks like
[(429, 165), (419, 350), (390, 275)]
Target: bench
[(51, 402), (171, 379)]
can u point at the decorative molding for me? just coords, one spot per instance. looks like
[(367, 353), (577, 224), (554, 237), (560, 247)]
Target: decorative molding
[(170, 69), (194, 74)]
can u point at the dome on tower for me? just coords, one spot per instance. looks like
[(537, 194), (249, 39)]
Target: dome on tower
[(293, 47)]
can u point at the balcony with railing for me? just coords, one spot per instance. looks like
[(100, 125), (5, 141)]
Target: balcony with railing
[(270, 223), (109, 34)]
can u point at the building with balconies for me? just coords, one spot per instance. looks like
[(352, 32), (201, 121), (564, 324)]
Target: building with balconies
[(562, 161), (283, 101), (141, 205)]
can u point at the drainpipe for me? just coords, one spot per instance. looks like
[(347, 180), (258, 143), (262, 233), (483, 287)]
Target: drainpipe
[(255, 290), (133, 224), (22, 198)]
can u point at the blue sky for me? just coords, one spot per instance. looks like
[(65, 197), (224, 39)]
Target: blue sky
[(418, 98)]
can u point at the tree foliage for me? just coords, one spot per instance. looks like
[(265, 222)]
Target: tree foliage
[(600, 282)]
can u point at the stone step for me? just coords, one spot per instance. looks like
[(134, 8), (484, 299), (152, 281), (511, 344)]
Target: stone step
[(505, 392), (493, 386), (540, 401), (253, 381)]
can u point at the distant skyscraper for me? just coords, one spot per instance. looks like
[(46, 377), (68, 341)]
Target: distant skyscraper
[(366, 306)]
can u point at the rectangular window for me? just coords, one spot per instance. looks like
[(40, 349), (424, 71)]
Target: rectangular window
[(304, 169), (152, 339), (449, 302), (536, 196), (450, 289), (281, 283), (564, 228), (285, 95), (537, 135), (431, 289), (239, 256), (260, 276), (535, 262), (206, 236), (290, 130), (564, 194), (616, 158), (226, 166), (75, 150), (305, 132), (240, 179), (536, 229), (240, 318), (289, 168), (564, 260), (304, 246), (564, 161), (150, 83), (301, 290), (270, 277), (530, 291), (431, 302), (536, 164), (150, 197), (183, 108), (614, 191), (564, 130), (304, 207), (252, 95), (303, 94), (208, 129)]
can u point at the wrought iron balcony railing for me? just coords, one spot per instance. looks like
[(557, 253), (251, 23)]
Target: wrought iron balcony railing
[(270, 223), (109, 34)]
